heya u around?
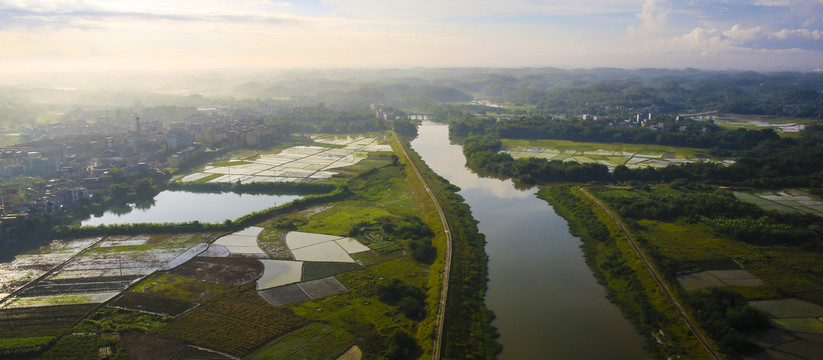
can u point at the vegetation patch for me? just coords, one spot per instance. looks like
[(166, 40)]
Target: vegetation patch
[(107, 320), (314, 341), (84, 347), (153, 304), (319, 270), (803, 325), (11, 347), (180, 287), (236, 322), (725, 316), (43, 317), (230, 271)]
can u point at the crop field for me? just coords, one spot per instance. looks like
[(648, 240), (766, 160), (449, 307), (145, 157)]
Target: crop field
[(783, 201), (770, 337), (236, 322), (95, 270), (609, 154), (294, 164), (151, 304), (179, 287), (788, 308), (42, 317), (783, 125), (27, 267), (805, 349), (705, 279), (304, 291), (314, 341), (233, 271)]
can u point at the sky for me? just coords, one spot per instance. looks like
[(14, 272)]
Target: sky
[(176, 35)]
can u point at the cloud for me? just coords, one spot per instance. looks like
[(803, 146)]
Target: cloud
[(771, 3), (88, 15), (751, 38)]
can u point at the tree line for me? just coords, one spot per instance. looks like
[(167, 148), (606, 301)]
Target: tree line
[(769, 163)]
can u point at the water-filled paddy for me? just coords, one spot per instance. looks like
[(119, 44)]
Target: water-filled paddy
[(279, 272), (294, 164), (609, 154)]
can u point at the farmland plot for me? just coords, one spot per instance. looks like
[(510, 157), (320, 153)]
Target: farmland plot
[(294, 164), (96, 270), (28, 267), (801, 324), (705, 279), (242, 242), (793, 200), (320, 247), (611, 155)]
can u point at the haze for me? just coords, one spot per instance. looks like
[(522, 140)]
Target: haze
[(176, 35)]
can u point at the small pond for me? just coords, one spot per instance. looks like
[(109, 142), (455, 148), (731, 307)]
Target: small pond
[(184, 206)]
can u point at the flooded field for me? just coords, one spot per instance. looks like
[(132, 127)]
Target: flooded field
[(609, 154), (784, 201), (319, 247), (294, 164), (95, 270)]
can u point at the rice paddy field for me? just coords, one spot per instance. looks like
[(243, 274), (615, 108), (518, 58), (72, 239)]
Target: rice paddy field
[(609, 154), (294, 164), (785, 126), (792, 200), (92, 271)]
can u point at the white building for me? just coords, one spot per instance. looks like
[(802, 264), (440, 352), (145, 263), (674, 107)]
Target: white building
[(179, 138)]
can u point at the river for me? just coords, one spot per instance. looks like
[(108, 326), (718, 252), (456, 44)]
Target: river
[(548, 304)]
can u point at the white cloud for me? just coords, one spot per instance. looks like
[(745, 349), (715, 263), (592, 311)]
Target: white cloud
[(771, 3)]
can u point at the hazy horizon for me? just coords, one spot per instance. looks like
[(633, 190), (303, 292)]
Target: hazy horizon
[(88, 37)]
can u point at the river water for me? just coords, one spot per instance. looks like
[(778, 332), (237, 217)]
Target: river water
[(184, 206), (548, 304)]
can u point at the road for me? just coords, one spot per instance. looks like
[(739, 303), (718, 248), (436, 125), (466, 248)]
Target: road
[(441, 312), (657, 277)]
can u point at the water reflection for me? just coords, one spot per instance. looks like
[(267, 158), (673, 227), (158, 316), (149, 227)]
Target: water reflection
[(441, 155), (184, 206)]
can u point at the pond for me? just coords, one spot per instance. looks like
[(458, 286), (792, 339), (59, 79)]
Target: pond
[(547, 302), (184, 206)]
